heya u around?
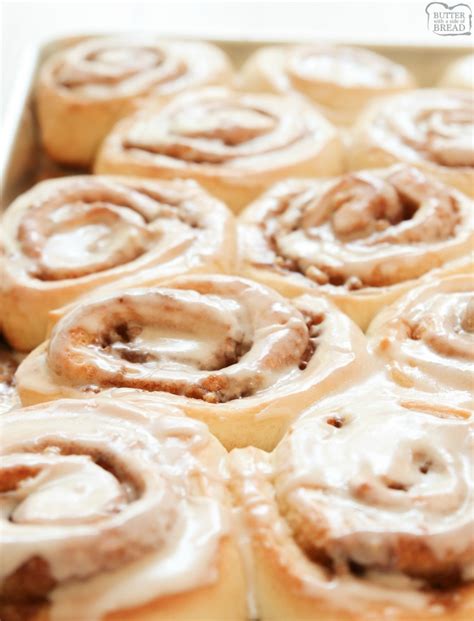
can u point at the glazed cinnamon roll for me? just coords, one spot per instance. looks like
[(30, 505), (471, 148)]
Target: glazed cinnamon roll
[(230, 352), (362, 239), (66, 237), (363, 511), (86, 88), (460, 73), (338, 80), (234, 144), (431, 129), (426, 338), (116, 510)]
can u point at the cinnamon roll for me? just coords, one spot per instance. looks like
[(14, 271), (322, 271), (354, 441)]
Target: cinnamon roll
[(230, 352), (85, 89), (426, 338), (338, 80), (431, 129), (66, 237), (117, 510), (460, 73), (234, 144), (363, 511), (362, 239)]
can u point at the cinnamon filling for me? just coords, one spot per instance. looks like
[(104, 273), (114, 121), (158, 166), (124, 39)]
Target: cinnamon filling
[(190, 132), (92, 226), (443, 328), (31, 582), (381, 491), (98, 69), (448, 136), (121, 340), (67, 485), (26, 589), (110, 66), (360, 214), (467, 321), (211, 345), (216, 130), (8, 366)]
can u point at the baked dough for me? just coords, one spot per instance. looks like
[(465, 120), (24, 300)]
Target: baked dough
[(235, 145), (85, 89)]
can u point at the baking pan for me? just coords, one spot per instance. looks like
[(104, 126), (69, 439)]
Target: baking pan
[(23, 163)]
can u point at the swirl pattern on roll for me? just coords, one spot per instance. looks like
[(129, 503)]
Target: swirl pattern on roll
[(219, 346), (234, 144), (429, 128), (68, 236), (427, 337), (85, 89), (339, 80), (360, 235), (389, 523), (97, 497), (119, 67)]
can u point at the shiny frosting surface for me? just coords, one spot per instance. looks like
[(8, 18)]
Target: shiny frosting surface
[(73, 228), (427, 337), (368, 498), (221, 129), (214, 338), (100, 499), (364, 229)]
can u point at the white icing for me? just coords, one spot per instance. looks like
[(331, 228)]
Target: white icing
[(346, 67), (73, 228), (187, 561), (107, 68), (153, 531), (383, 443), (338, 477), (432, 125), (215, 127), (245, 548), (237, 332), (353, 229), (427, 336)]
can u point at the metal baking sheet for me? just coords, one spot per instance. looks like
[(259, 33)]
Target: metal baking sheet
[(23, 163)]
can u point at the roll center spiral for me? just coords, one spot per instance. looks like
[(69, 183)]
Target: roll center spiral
[(217, 345)]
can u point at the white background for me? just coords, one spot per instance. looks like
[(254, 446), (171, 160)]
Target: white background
[(27, 23)]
